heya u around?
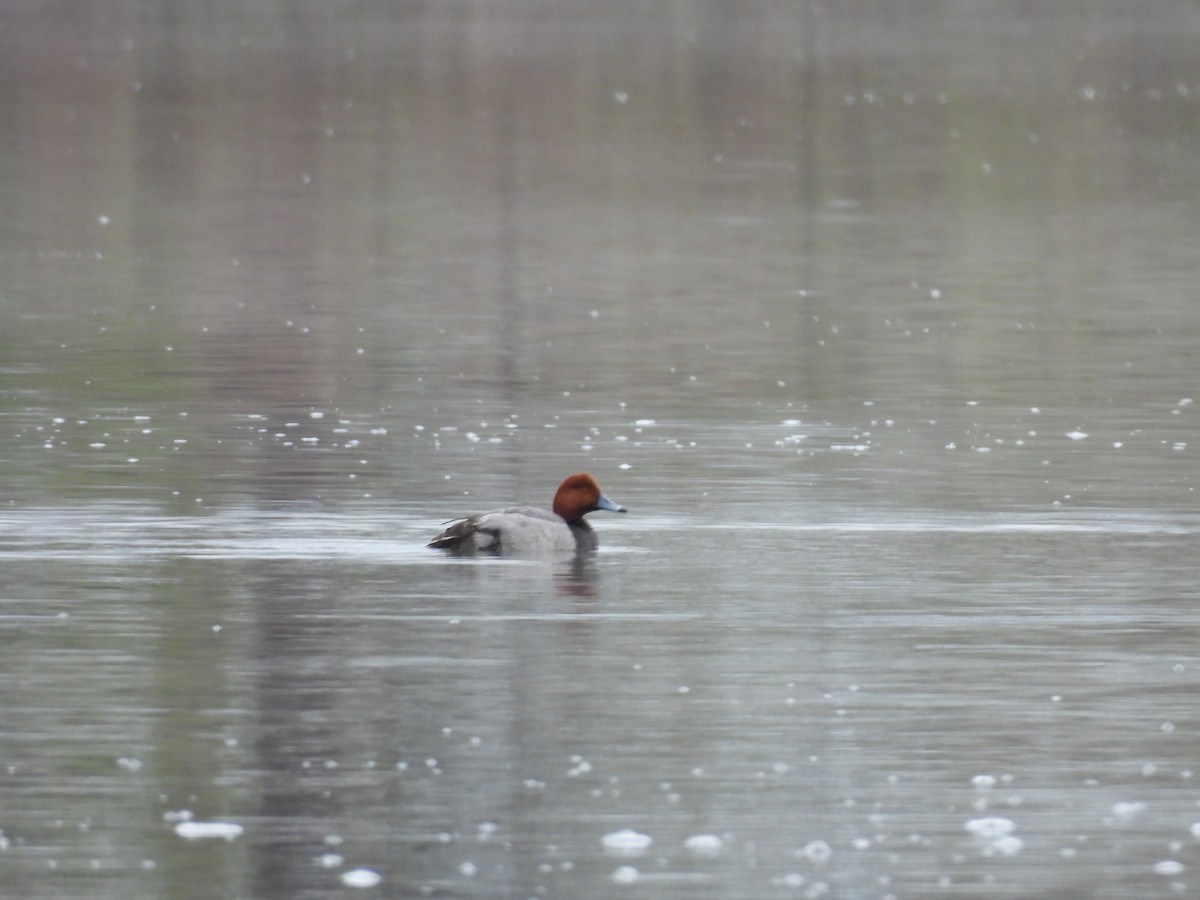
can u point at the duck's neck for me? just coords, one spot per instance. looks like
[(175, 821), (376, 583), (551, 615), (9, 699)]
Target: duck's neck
[(585, 538)]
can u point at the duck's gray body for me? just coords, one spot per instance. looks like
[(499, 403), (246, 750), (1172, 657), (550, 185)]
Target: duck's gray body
[(516, 529)]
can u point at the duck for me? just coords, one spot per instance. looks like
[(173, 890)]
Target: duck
[(530, 529)]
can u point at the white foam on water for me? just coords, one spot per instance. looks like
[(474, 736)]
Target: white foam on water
[(990, 826), (1169, 867), (704, 844), (626, 875), (1127, 811), (361, 878), (195, 831), (626, 841)]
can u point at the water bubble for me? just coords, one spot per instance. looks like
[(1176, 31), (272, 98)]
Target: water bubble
[(1009, 845), (193, 831), (361, 878), (990, 827), (626, 875), (704, 844), (1126, 811), (817, 851), (626, 841)]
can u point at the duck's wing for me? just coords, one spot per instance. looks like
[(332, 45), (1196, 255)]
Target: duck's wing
[(468, 535), (482, 532), (454, 535)]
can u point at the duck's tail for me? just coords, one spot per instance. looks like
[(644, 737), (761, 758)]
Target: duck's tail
[(458, 536)]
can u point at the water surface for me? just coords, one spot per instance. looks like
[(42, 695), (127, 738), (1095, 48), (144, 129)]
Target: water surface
[(881, 323)]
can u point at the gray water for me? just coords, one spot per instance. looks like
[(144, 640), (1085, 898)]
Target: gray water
[(880, 319)]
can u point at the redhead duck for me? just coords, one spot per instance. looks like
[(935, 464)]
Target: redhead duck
[(528, 529)]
